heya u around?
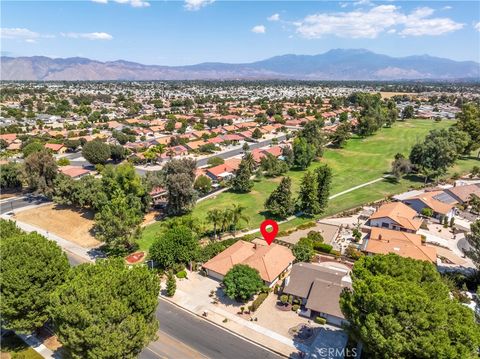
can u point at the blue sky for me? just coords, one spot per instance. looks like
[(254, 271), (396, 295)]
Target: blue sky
[(194, 31)]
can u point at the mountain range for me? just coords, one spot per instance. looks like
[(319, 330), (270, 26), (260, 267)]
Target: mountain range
[(338, 64)]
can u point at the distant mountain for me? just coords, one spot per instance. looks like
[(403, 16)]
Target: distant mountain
[(339, 64)]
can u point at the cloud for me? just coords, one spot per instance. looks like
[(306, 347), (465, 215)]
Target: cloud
[(31, 41), (274, 17), (133, 3), (373, 22), (18, 33), (477, 26), (194, 5), (88, 35), (259, 29)]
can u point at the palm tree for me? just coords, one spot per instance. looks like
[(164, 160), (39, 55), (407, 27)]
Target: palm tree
[(215, 216), (237, 216), (226, 219)]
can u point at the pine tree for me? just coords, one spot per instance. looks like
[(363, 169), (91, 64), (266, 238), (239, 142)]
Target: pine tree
[(242, 182), (324, 180), (171, 284), (307, 197), (280, 202)]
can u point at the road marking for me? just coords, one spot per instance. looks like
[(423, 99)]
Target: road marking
[(154, 352)]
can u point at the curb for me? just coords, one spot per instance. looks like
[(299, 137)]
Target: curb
[(223, 328)]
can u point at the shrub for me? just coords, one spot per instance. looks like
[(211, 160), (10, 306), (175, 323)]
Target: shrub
[(336, 253), (63, 162), (258, 301), (315, 236), (322, 247), (275, 289), (427, 212), (320, 320), (182, 274), (295, 307), (307, 225), (284, 298)]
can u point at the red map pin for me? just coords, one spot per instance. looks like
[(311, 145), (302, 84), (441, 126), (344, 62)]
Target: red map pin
[(269, 236)]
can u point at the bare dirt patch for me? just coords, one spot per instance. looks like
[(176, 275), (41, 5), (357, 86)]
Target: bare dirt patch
[(391, 94), (73, 225)]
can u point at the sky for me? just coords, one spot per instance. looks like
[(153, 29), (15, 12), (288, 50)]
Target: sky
[(194, 31)]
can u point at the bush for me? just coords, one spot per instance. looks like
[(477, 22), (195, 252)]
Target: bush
[(275, 289), (315, 236), (307, 225), (63, 161), (427, 212), (320, 320), (181, 275), (258, 301), (322, 247), (295, 307), (284, 298)]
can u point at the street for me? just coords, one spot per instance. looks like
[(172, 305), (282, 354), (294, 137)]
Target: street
[(183, 336), (9, 205)]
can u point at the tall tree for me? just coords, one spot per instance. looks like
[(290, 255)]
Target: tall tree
[(214, 216), (39, 171), (468, 120), (32, 267), (408, 112), (106, 310), (10, 176), (303, 152), (401, 308), (324, 181), (237, 215), (96, 152), (473, 239), (179, 179), (341, 135), (280, 202), (303, 250), (307, 197), (242, 182)]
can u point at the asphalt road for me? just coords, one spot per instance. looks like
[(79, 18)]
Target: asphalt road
[(197, 338), (19, 202)]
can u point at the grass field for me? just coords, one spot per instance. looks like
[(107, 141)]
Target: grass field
[(361, 160)]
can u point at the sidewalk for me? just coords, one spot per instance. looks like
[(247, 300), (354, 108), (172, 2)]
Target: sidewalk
[(38, 346)]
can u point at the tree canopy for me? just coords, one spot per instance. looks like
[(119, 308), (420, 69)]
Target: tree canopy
[(96, 152), (242, 282), (401, 308), (106, 310), (280, 202)]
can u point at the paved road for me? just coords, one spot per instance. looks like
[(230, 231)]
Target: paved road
[(200, 339), (9, 205)]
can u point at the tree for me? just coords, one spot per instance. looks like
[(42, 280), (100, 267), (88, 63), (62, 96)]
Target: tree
[(401, 166), (32, 147), (256, 134), (273, 166), (408, 112), (341, 135), (237, 215), (312, 134), (118, 223), (242, 182), (32, 267), (242, 282), (96, 152), (215, 161), (288, 156), (203, 184), (106, 310), (39, 171), (245, 147), (118, 153), (179, 180), (468, 120), (307, 197), (280, 202), (10, 176), (401, 308), (473, 239), (175, 245), (303, 250), (324, 180), (171, 284), (303, 153), (214, 216)]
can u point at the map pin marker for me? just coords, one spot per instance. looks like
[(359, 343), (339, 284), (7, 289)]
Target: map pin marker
[(269, 236)]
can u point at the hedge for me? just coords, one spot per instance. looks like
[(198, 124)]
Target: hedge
[(258, 301), (320, 320), (322, 247), (307, 225)]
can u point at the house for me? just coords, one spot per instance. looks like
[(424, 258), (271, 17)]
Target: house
[(221, 172), (462, 194), (270, 260), (8, 137), (408, 245), (428, 200), (75, 172), (396, 216), (318, 286), (56, 147)]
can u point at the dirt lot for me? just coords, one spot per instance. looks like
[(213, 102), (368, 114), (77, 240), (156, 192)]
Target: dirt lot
[(72, 225), (391, 94)]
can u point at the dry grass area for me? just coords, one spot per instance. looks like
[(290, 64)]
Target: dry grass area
[(391, 94), (65, 222)]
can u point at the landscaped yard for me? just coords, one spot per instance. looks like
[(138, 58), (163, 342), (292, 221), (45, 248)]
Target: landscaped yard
[(14, 347), (361, 160)]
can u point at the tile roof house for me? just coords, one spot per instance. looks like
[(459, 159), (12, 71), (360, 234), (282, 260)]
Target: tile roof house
[(427, 200), (318, 286), (73, 171), (397, 216), (462, 194), (270, 261), (409, 245), (55, 147), (224, 171)]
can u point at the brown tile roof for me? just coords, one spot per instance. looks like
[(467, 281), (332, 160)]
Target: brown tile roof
[(270, 260), (73, 171), (384, 241), (400, 213), (54, 146), (435, 205), (464, 192)]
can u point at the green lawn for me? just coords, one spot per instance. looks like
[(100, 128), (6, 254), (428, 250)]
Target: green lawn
[(361, 160)]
